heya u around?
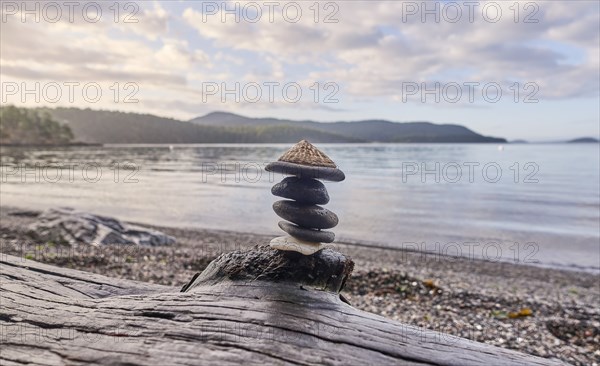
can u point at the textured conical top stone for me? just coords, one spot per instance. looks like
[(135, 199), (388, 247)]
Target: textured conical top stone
[(306, 161), (305, 153)]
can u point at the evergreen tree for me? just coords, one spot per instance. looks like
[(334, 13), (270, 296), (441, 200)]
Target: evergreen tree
[(23, 126)]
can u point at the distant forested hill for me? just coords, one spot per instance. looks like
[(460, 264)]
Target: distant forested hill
[(98, 126), (370, 130), (119, 127), (21, 126)]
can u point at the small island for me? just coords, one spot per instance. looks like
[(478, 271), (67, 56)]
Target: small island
[(584, 140)]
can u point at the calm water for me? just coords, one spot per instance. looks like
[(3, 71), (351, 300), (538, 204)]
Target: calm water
[(537, 203)]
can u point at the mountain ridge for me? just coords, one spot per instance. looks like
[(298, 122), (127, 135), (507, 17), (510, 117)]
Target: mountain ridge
[(102, 126), (375, 130)]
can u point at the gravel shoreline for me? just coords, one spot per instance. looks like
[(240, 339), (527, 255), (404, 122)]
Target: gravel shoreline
[(545, 312)]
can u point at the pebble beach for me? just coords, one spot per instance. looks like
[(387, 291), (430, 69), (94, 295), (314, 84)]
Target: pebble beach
[(546, 312)]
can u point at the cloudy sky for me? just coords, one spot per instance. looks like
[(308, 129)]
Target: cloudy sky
[(525, 69)]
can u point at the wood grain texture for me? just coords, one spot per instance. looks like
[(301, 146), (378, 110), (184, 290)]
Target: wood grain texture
[(56, 316)]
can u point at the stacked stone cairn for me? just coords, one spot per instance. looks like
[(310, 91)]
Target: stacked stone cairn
[(306, 220)]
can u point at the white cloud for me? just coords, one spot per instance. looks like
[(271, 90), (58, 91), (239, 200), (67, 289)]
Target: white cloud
[(372, 50), (176, 54), (369, 52)]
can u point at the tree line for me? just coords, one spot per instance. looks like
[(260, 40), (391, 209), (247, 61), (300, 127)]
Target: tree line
[(22, 126)]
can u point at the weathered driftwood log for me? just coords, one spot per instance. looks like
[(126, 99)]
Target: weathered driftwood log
[(260, 306), (326, 270)]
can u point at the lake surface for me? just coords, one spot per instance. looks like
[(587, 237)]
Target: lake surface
[(530, 203)]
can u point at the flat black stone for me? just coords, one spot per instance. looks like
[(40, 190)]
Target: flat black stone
[(306, 171), (302, 190), (306, 216), (315, 236)]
